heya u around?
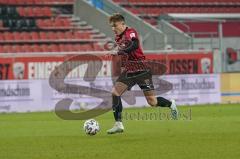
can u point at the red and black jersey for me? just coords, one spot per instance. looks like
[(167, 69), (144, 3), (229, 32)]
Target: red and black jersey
[(130, 50)]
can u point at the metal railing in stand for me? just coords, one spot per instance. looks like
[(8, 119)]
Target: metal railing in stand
[(220, 34)]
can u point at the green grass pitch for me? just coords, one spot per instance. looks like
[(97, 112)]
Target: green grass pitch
[(203, 132)]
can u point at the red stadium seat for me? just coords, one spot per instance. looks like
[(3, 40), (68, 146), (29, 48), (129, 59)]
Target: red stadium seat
[(47, 11), (7, 49), (52, 35), (58, 23), (54, 48), (30, 11), (38, 12), (68, 47), (61, 35), (74, 47), (66, 22), (32, 1), (37, 48), (8, 36), (97, 47), (17, 36), (1, 37), (78, 35), (17, 48), (69, 35), (27, 48), (43, 35), (45, 48), (35, 25), (62, 48), (1, 49), (48, 23), (35, 36), (40, 23), (25, 36)]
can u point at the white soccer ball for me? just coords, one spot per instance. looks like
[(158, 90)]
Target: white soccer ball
[(91, 127)]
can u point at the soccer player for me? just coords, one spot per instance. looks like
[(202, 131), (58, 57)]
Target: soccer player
[(133, 72)]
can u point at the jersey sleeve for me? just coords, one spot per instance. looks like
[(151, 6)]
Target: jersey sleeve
[(130, 44), (131, 34)]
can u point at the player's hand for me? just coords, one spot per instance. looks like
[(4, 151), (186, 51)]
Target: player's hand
[(121, 52)]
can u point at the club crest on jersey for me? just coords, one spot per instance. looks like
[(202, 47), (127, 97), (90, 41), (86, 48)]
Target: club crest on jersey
[(132, 35)]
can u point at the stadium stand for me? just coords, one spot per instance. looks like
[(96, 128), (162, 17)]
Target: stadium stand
[(150, 10), (45, 26)]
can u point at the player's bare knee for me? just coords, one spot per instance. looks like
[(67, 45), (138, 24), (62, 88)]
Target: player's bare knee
[(115, 93), (152, 101)]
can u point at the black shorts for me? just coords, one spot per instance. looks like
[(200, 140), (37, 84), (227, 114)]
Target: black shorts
[(142, 78)]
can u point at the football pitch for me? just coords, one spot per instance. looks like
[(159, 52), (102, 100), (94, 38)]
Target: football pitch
[(202, 132)]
